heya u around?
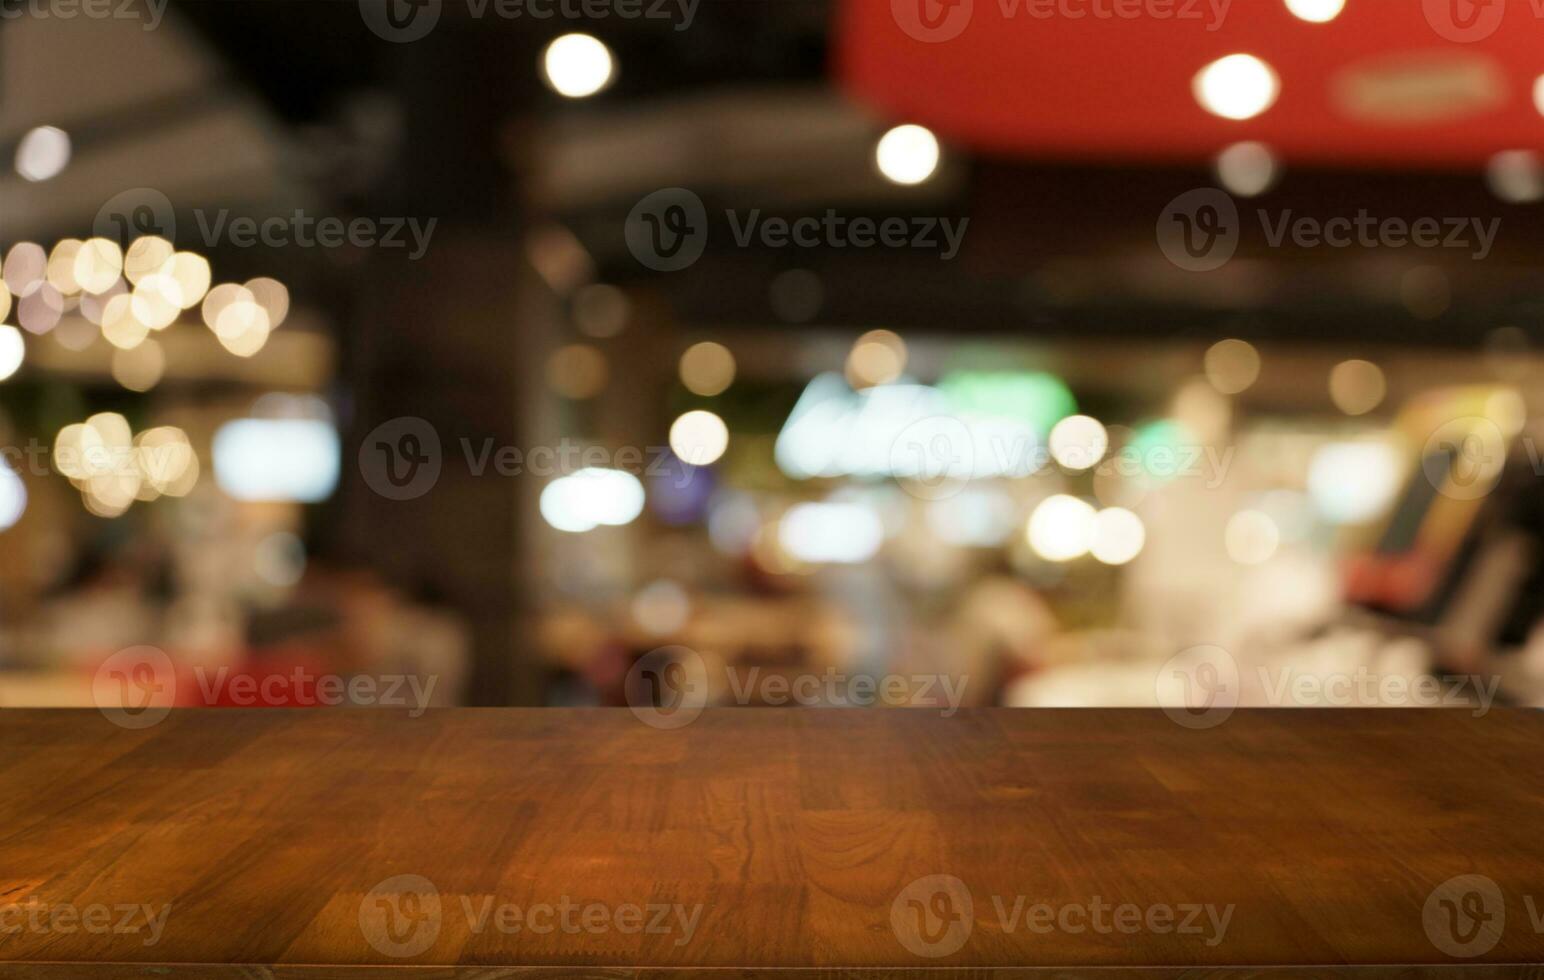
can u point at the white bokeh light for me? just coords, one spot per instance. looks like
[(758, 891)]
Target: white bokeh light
[(13, 350), (907, 154), (1078, 442), (1061, 528), (838, 533), (1118, 536), (43, 153), (13, 497), (591, 497), (699, 438), (1316, 11), (1239, 86), (577, 65)]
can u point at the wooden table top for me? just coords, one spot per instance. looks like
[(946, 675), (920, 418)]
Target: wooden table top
[(757, 839)]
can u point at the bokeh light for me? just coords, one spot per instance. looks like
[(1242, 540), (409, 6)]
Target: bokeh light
[(1118, 536), (907, 154), (699, 437), (1079, 442), (1061, 528), (1239, 86), (1232, 366), (577, 65), (878, 357), (13, 351), (707, 369), (43, 153), (1247, 169), (1316, 11), (1357, 387)]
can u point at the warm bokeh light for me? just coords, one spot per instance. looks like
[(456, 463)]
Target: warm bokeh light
[(1079, 442), (219, 298), (98, 265), (146, 256), (273, 296), (120, 327), (907, 154), (1118, 536), (707, 369), (191, 274), (13, 350), (699, 437), (166, 460), (1357, 387), (1232, 366), (242, 328), (61, 266), (1061, 528), (1239, 86), (157, 300), (577, 65), (878, 357)]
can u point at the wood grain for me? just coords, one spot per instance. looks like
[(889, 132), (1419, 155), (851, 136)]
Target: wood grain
[(771, 839)]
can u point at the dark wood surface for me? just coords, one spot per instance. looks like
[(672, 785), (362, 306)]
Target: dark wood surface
[(795, 834)]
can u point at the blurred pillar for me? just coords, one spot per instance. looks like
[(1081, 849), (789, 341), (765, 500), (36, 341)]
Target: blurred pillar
[(439, 338)]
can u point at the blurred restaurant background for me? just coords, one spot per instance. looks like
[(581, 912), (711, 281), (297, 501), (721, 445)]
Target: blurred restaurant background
[(1030, 342)]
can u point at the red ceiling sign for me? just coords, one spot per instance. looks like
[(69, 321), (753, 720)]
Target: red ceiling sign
[(1411, 83)]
